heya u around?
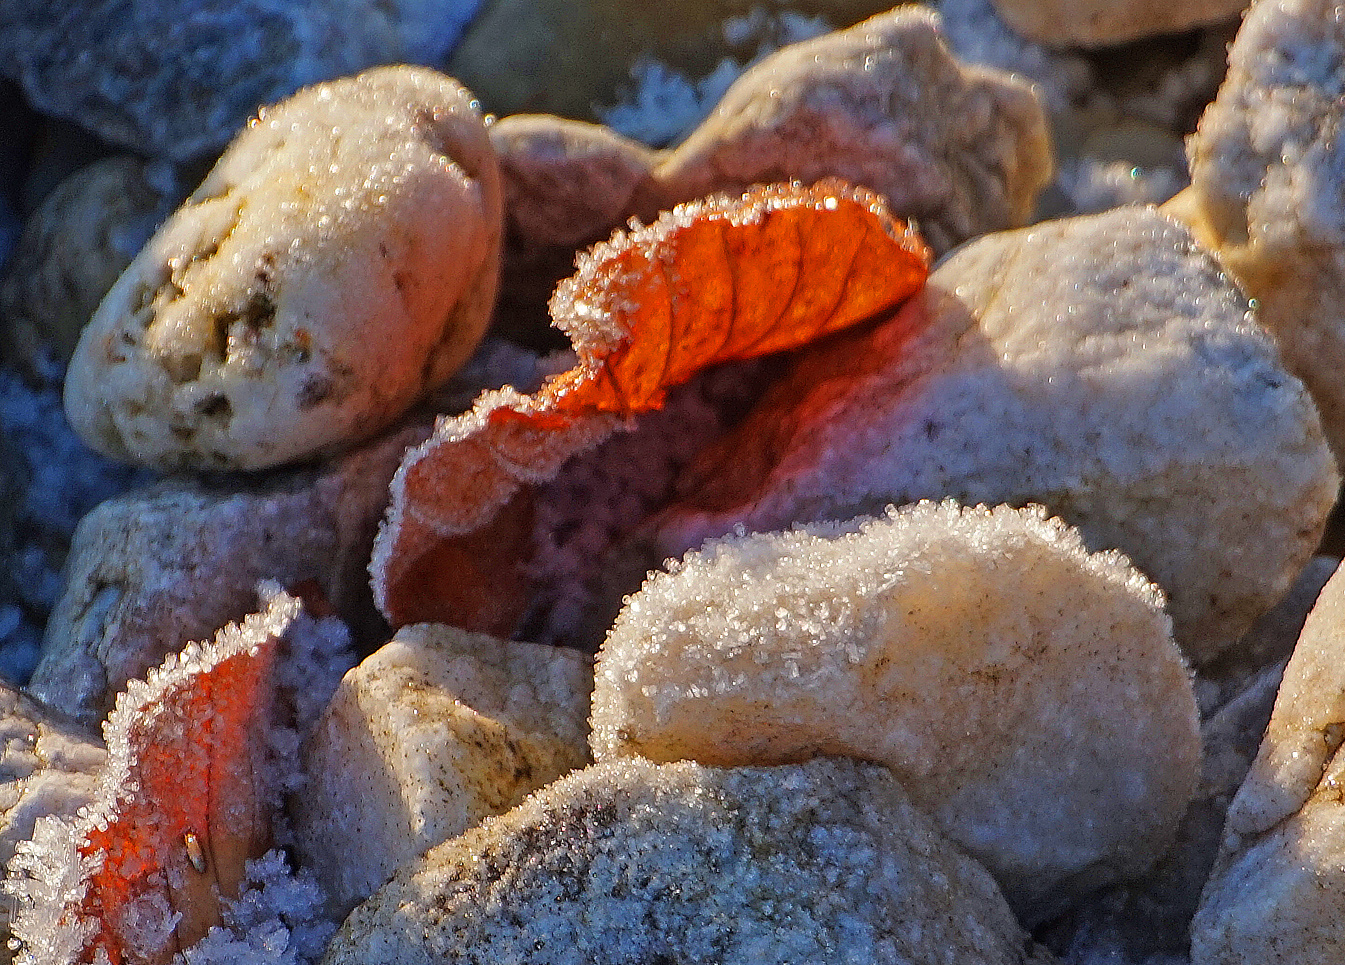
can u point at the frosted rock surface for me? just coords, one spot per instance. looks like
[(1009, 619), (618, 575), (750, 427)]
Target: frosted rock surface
[(73, 248), (154, 569), (1100, 23), (1016, 685), (632, 862), (48, 766), (178, 81), (1278, 884), (437, 730), (1268, 185), (871, 105), (338, 262), (1103, 367)]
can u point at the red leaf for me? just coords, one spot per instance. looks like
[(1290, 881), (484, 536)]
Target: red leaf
[(719, 280), (181, 807)]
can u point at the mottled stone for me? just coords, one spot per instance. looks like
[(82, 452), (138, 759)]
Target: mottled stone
[(1016, 684), (631, 862), (434, 732), (72, 250), (157, 568), (338, 262), (1104, 367), (872, 105), (1276, 890), (1100, 23), (1268, 186), (177, 81)]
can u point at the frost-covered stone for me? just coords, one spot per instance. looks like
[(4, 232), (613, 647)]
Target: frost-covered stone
[(71, 251), (1015, 684), (47, 767), (1100, 23), (872, 105), (1103, 367), (177, 82), (1268, 186), (434, 732), (154, 569), (1278, 884), (338, 262), (631, 862)]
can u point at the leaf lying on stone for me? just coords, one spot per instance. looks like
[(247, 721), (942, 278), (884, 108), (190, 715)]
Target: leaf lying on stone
[(182, 805), (725, 279)]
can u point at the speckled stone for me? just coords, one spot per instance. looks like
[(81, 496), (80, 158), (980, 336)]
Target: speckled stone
[(632, 862), (435, 731), (337, 263), (154, 569)]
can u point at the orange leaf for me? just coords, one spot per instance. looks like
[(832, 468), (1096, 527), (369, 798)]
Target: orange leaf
[(140, 874), (729, 278)]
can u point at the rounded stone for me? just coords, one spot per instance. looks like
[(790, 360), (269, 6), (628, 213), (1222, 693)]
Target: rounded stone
[(338, 262)]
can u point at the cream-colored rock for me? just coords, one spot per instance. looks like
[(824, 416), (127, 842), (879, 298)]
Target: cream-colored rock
[(1279, 881), (152, 570), (1268, 186), (73, 247), (339, 261), (631, 862), (1016, 685), (434, 732), (48, 766), (1101, 23), (872, 105), (1104, 367)]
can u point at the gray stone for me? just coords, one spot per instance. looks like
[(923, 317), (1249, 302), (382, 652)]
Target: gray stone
[(150, 571), (632, 862)]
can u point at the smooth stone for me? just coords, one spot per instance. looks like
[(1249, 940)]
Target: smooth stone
[(1101, 23), (434, 732)]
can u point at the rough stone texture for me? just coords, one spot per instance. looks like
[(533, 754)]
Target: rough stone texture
[(1268, 186), (1279, 881), (570, 57), (434, 732), (632, 862), (871, 105), (339, 261), (178, 81), (48, 766), (1100, 23), (1016, 685), (71, 251), (1036, 367), (152, 570)]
